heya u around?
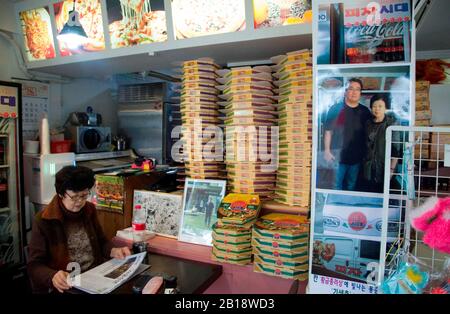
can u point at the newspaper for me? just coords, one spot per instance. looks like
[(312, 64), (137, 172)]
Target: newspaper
[(109, 275)]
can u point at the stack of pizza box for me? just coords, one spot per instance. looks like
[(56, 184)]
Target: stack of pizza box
[(202, 152), (232, 233), (294, 81), (280, 245), (249, 106)]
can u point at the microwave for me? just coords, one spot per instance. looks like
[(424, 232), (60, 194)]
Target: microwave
[(91, 139)]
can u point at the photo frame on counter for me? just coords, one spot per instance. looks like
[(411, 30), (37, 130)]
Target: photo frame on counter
[(356, 98), (196, 220), (163, 211)]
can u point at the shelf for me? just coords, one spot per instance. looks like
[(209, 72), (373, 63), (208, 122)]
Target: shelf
[(4, 166), (5, 210), (362, 65)]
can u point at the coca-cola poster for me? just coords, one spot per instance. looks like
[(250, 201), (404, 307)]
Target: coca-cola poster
[(363, 31)]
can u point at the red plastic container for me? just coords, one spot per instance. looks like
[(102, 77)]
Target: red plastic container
[(57, 147)]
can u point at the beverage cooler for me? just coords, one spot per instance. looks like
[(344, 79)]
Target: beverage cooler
[(11, 178)]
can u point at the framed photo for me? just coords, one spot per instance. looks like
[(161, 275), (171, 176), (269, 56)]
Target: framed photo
[(163, 211), (200, 203)]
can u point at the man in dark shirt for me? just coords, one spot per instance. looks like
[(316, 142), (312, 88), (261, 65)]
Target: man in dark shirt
[(208, 212), (345, 138)]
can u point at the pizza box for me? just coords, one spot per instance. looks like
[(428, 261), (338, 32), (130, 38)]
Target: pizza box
[(281, 246), (295, 98), (299, 73), (273, 253), (280, 272), (243, 71), (302, 90), (205, 76), (227, 241), (233, 232), (197, 62), (291, 66), (257, 95), (236, 79), (285, 263), (286, 227), (238, 209), (299, 55), (306, 146), (226, 259), (252, 113), (198, 84), (231, 251), (294, 107), (236, 85), (293, 185), (238, 242), (302, 202), (249, 105), (199, 92), (288, 84)]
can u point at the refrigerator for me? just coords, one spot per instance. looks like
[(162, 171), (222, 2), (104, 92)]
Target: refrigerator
[(11, 178), (146, 116)]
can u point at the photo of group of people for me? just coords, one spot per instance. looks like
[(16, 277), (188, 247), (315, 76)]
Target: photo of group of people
[(355, 110)]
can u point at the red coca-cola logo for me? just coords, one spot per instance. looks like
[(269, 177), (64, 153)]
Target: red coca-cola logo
[(357, 221)]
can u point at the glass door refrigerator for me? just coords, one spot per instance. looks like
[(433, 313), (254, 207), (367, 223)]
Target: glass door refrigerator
[(11, 178)]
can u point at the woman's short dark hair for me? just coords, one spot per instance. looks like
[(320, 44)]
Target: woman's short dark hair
[(383, 97), (74, 178)]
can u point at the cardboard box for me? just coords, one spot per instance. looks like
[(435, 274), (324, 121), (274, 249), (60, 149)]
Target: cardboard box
[(280, 271)]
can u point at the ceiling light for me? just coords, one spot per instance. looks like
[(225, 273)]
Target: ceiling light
[(73, 34)]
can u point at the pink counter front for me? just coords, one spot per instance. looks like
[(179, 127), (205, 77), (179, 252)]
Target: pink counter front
[(235, 279)]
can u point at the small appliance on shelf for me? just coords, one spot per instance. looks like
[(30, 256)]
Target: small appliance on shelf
[(87, 134)]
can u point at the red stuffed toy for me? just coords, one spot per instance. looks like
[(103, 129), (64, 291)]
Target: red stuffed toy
[(433, 218)]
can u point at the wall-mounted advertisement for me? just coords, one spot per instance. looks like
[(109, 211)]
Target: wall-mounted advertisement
[(38, 35), (354, 109), (90, 18), (136, 22), (270, 13), (194, 18), (361, 31)]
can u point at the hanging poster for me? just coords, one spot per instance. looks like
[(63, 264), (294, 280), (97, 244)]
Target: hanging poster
[(136, 22), (353, 107), (90, 17), (197, 219), (38, 35), (194, 18), (270, 13), (361, 31)]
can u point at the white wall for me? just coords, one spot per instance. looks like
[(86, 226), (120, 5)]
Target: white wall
[(81, 93)]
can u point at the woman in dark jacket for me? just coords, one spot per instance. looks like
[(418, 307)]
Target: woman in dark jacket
[(67, 231), (376, 143)]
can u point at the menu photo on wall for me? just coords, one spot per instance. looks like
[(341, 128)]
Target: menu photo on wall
[(90, 18), (361, 31), (270, 13), (194, 18), (136, 22), (38, 35)]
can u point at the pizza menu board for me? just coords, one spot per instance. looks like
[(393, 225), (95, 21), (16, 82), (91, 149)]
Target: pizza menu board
[(270, 13), (194, 18), (136, 22), (90, 14), (37, 32)]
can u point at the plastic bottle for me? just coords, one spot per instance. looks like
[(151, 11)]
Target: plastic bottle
[(138, 223)]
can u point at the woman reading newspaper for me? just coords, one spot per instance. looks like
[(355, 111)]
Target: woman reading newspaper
[(68, 231)]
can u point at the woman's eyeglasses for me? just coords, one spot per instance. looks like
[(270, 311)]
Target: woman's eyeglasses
[(82, 197)]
